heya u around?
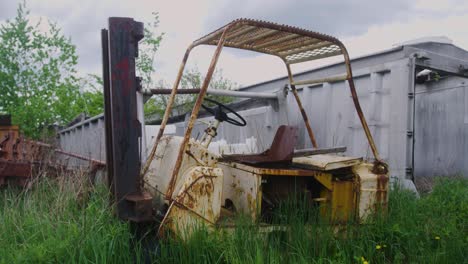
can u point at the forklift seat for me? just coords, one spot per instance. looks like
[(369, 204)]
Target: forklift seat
[(281, 150)]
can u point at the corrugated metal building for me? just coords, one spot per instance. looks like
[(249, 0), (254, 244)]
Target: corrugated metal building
[(421, 130)]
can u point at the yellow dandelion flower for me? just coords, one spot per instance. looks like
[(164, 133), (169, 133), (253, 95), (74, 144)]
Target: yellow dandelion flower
[(437, 237), (378, 247), (365, 262)]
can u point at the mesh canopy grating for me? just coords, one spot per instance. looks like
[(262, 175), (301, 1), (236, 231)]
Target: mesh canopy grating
[(292, 44)]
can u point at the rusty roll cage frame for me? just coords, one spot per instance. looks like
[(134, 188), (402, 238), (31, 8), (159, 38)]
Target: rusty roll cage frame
[(291, 44)]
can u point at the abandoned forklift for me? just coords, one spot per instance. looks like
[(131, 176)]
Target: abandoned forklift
[(181, 183)]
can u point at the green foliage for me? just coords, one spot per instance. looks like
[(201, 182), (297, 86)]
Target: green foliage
[(193, 78), (46, 224), (37, 74), (147, 48), (92, 95)]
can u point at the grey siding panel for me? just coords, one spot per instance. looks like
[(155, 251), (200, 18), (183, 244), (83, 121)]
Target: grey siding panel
[(441, 130), (86, 139)]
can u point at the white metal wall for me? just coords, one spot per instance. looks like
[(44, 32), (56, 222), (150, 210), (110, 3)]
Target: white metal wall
[(441, 128)]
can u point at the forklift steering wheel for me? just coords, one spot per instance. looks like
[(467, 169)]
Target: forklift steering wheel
[(221, 116)]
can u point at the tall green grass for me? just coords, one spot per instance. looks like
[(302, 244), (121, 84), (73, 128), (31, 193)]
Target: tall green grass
[(51, 223), (47, 224)]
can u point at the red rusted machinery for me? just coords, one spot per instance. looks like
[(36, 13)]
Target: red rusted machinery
[(17, 155), (20, 158)]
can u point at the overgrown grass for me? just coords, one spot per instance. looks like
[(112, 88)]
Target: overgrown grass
[(48, 225), (52, 223)]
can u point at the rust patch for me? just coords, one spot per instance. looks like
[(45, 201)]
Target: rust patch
[(382, 191), (252, 203)]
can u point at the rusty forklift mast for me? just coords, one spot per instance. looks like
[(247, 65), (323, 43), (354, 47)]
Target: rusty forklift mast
[(123, 124)]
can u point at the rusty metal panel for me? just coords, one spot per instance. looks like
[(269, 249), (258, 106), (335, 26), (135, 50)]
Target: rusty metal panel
[(326, 162), (198, 202), (242, 188), (158, 179), (291, 44), (373, 191), (281, 150)]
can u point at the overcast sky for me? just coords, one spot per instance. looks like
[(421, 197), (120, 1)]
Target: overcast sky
[(364, 26)]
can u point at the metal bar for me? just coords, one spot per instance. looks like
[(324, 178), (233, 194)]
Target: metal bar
[(194, 114), (257, 37), (242, 94), (167, 113), (306, 48), (107, 108), (357, 105), (301, 108), (158, 91), (296, 45), (274, 41), (322, 80), (74, 155), (309, 152), (321, 56), (239, 32), (216, 92)]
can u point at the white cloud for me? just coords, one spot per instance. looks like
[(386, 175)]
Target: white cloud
[(367, 26)]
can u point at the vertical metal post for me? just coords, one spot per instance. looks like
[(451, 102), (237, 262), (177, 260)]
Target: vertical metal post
[(194, 115), (301, 108), (357, 105), (107, 107), (167, 113), (125, 128)]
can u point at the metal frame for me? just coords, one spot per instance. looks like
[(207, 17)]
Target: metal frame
[(292, 45)]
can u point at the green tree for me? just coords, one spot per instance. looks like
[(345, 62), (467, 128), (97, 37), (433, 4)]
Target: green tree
[(193, 78), (147, 49), (92, 96), (38, 80)]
